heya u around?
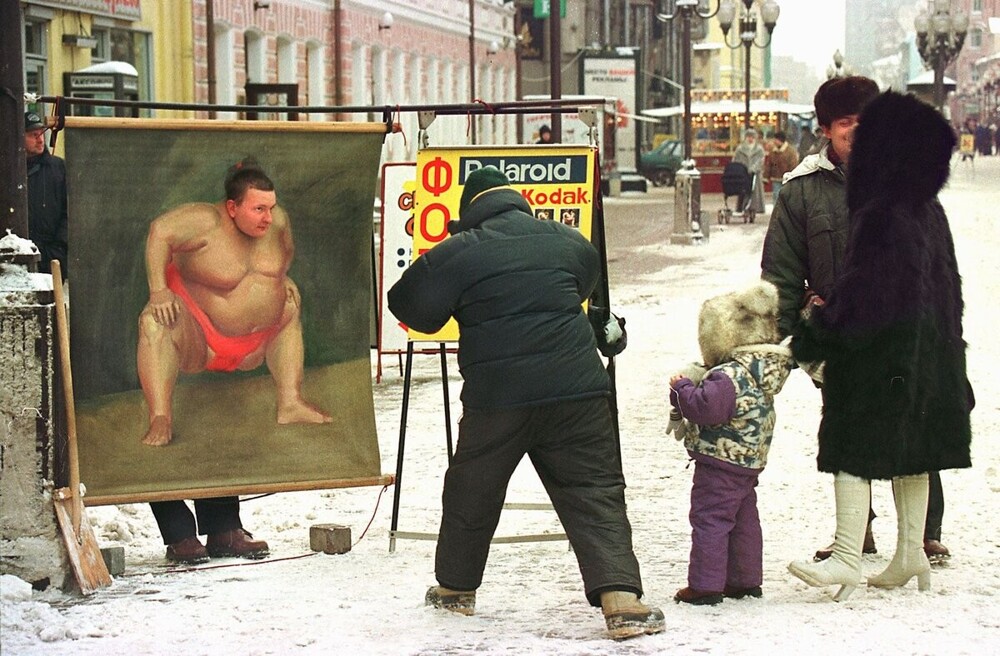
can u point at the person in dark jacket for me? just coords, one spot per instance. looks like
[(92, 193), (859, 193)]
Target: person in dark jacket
[(47, 214), (896, 397), (533, 384)]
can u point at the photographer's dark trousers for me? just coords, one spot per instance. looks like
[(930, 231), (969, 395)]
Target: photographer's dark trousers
[(573, 448), (176, 522)]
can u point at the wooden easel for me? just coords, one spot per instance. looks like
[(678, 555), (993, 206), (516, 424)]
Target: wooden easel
[(394, 532), (601, 297), (84, 555)]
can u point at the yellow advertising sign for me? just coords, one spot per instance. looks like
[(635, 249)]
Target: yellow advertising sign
[(967, 144), (557, 181)]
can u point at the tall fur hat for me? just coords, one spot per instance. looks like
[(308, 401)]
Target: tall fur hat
[(739, 318), (901, 150)]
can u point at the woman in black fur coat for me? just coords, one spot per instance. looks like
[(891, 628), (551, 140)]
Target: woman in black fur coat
[(896, 399)]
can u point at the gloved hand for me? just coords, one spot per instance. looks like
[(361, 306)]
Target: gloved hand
[(609, 330), (614, 330), (675, 423)]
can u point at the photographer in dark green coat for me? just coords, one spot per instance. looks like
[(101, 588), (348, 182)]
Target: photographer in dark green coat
[(533, 384)]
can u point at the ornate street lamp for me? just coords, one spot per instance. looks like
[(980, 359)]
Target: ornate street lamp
[(837, 69), (687, 181), (939, 39), (766, 12)]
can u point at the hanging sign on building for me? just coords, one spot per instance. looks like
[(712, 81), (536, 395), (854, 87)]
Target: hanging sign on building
[(616, 75), (124, 9), (543, 8)]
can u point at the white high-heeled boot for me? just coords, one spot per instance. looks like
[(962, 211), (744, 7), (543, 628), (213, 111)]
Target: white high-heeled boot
[(910, 493), (843, 567)]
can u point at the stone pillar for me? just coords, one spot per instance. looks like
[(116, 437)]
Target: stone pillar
[(687, 206), (31, 547)]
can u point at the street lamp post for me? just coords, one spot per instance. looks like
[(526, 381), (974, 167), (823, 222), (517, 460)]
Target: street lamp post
[(939, 39), (768, 14), (837, 69), (687, 181)]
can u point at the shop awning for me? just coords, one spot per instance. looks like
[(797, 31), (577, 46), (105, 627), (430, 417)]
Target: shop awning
[(926, 79), (758, 106)]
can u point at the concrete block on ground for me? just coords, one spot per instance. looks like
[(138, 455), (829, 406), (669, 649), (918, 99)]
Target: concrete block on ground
[(114, 558), (330, 538)]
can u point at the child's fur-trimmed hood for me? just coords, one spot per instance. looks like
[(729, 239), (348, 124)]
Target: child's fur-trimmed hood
[(739, 318)]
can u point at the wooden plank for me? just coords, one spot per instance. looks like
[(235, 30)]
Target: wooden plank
[(84, 554), (218, 125), (237, 490)]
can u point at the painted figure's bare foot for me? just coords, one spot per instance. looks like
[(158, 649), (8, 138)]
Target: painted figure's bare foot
[(300, 412), (159, 433)]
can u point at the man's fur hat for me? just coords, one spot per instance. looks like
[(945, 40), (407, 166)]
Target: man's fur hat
[(740, 318), (843, 96)]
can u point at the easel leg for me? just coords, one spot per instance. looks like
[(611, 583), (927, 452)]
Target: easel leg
[(613, 402), (399, 452), (447, 401)]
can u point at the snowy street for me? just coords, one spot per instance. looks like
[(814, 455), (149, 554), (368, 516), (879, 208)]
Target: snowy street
[(370, 601)]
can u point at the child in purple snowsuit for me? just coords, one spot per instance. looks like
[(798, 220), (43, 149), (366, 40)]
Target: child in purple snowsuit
[(724, 413)]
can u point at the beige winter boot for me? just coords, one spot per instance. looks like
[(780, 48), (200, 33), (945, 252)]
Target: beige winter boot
[(457, 601), (627, 617), (910, 560), (843, 567)]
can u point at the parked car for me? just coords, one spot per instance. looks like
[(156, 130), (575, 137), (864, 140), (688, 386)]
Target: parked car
[(661, 163)]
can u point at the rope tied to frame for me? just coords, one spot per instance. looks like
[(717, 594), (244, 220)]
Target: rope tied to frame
[(397, 126), (59, 111), (468, 116)]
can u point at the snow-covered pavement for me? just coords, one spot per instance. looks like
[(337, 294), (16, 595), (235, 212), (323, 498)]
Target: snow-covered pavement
[(370, 601)]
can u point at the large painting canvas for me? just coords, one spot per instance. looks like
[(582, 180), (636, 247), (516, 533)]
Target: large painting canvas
[(225, 436)]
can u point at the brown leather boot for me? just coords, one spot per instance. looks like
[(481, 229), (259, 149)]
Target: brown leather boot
[(238, 543), (188, 551), (867, 547), (936, 552)]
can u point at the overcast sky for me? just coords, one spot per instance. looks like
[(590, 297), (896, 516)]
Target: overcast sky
[(810, 31)]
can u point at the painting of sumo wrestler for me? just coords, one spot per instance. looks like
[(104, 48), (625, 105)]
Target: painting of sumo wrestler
[(219, 306)]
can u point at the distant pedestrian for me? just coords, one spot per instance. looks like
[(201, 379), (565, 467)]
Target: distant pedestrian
[(48, 215), (725, 416), (544, 135), (778, 162), (751, 155), (984, 142), (806, 141)]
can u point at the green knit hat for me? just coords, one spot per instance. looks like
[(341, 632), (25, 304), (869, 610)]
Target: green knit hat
[(479, 181)]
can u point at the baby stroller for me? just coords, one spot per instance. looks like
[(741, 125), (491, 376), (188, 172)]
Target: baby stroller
[(737, 181)]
